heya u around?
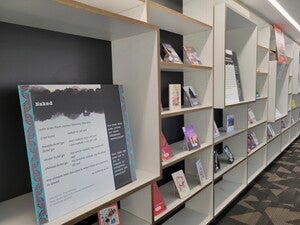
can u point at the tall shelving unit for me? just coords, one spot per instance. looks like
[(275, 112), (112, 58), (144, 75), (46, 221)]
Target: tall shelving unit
[(138, 74), (191, 25)]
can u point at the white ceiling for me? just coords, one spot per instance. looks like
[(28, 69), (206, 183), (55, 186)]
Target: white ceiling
[(265, 10)]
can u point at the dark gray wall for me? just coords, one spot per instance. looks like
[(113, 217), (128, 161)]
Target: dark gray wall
[(34, 56)]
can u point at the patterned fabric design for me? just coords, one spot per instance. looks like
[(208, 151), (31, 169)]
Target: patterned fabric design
[(33, 155), (273, 198)]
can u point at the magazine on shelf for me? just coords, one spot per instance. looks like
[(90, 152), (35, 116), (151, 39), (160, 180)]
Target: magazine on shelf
[(229, 123), (270, 131), (191, 138), (169, 54), (254, 138), (109, 215), (159, 204), (228, 154), (233, 85), (166, 152), (191, 56), (174, 96), (191, 96), (181, 184), (280, 44), (200, 171), (216, 130), (71, 132), (251, 116)]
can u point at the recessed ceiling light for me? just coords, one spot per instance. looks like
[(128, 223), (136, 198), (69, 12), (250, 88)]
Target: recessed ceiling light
[(285, 13)]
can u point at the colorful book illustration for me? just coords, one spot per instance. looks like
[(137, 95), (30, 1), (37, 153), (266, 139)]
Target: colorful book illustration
[(191, 56), (191, 96), (159, 204), (166, 152), (229, 123), (72, 132), (109, 215), (174, 96), (228, 154), (181, 184), (280, 44), (200, 171), (169, 54), (191, 137), (251, 116)]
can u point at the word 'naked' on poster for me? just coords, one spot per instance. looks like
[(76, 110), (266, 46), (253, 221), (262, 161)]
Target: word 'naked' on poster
[(78, 143)]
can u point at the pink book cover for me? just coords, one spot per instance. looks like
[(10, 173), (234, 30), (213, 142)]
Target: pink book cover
[(159, 204), (166, 152), (109, 215)]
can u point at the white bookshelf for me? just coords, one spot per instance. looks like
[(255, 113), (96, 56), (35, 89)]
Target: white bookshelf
[(128, 37), (261, 134), (294, 132), (285, 139), (262, 60), (196, 212), (260, 111), (235, 32), (256, 163), (278, 90), (231, 184), (273, 149)]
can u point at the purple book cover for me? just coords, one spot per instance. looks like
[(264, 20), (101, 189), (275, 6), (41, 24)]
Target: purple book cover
[(191, 137)]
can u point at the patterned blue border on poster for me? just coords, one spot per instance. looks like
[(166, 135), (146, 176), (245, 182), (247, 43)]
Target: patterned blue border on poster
[(33, 154), (127, 133)]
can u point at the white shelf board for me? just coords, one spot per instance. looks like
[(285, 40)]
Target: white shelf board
[(71, 17), (251, 125), (254, 170), (272, 138), (177, 67), (239, 103), (261, 97), (224, 135), (280, 117), (20, 210), (186, 214), (262, 73), (173, 21), (179, 153), (263, 47), (226, 166), (257, 148), (114, 6), (185, 109), (225, 191), (285, 146), (172, 199), (285, 129)]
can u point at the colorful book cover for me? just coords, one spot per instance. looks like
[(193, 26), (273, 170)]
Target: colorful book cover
[(174, 96), (165, 148), (229, 123), (251, 116), (181, 184), (216, 130), (254, 138), (109, 215), (191, 137), (169, 54), (72, 132), (191, 56), (250, 144), (280, 44), (191, 96), (200, 171), (159, 204)]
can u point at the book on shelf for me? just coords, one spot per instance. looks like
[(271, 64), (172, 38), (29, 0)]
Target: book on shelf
[(254, 138), (159, 204), (74, 131), (216, 130), (168, 53), (283, 124), (228, 154), (293, 103), (191, 56), (181, 184), (233, 85), (109, 215), (166, 152), (191, 138), (191, 96), (229, 123), (217, 165), (200, 171), (174, 96), (280, 44), (251, 116), (270, 131)]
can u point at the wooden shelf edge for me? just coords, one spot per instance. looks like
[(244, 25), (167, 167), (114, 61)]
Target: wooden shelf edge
[(250, 126), (183, 110)]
